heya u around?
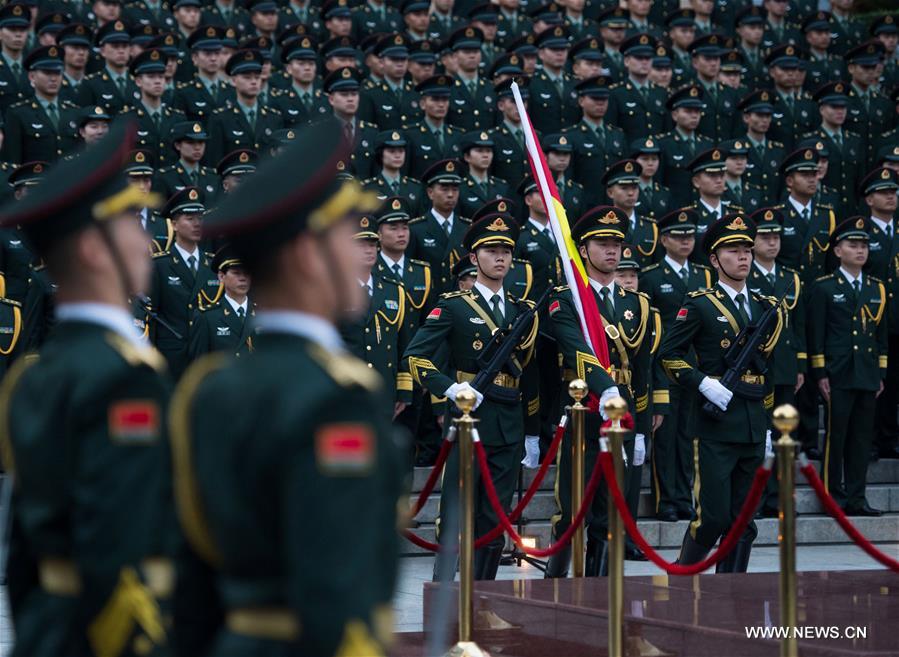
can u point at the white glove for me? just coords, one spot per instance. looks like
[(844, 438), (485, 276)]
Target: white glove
[(639, 449), (716, 393), (456, 388), (607, 394), (531, 452), (769, 448)]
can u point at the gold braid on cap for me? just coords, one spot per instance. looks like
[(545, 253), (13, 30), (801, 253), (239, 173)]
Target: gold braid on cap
[(348, 198), (129, 197)]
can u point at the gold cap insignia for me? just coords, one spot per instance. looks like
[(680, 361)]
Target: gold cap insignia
[(627, 253), (450, 167), (860, 223), (650, 143), (397, 204), (769, 215), (210, 31), (306, 43), (498, 225), (501, 206), (738, 145), (346, 73), (170, 40), (248, 56), (154, 55), (838, 88), (469, 32), (57, 18), (52, 52), (363, 222), (628, 167), (888, 20), (80, 29), (716, 155), (139, 157), (790, 50), (808, 155), (192, 195), (395, 136), (661, 52), (484, 136), (563, 141), (441, 81), (119, 25), (341, 166), (737, 224), (594, 44), (197, 128), (609, 218), (290, 134), (870, 49), (558, 32), (682, 217), (885, 174), (819, 146), (644, 39), (513, 60), (398, 40), (765, 96), (38, 168), (244, 157), (694, 91), (98, 110), (713, 40), (17, 10)]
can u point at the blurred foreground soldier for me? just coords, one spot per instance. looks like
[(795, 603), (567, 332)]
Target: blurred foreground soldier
[(77, 587), (599, 234), (182, 279), (443, 357), (847, 342), (311, 434), (225, 326), (727, 449)]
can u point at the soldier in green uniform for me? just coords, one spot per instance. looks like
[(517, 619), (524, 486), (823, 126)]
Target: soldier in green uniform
[(394, 103), (886, 30), (246, 123), (188, 138), (737, 192), (637, 105), (472, 100), (847, 342), (596, 142), (76, 586), (765, 155), (622, 181), (437, 235), (76, 40), (553, 98), (330, 441), (300, 102), (535, 242), (794, 113), (200, 97), (719, 117), (111, 87), (510, 159), (613, 25), (139, 169), (654, 200), (226, 325), (848, 29), (433, 139), (465, 321), (585, 57), (727, 449), (182, 279), (870, 113), (679, 146), (822, 65), (16, 23), (558, 151), (681, 26), (512, 23), (478, 186), (779, 29), (599, 234), (390, 156), (375, 17), (379, 334), (708, 170), (520, 278), (42, 128), (750, 26), (790, 360), (668, 283)]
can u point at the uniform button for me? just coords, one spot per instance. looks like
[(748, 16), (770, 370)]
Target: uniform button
[(389, 364), (855, 333), (367, 330), (370, 366), (855, 347), (368, 347), (476, 112), (388, 347)]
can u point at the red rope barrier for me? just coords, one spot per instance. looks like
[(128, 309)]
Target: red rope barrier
[(428, 488), (834, 510), (420, 542), (725, 546), (590, 491), (487, 538)]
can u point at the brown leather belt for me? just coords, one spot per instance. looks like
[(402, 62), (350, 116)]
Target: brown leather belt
[(274, 623), (620, 377), (501, 380), (757, 379)]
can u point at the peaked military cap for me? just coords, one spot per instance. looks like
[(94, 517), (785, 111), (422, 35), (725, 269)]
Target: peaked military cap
[(365, 228), (28, 174), (44, 58), (589, 48), (342, 46), (244, 61), (149, 61), (690, 95), (493, 229), (527, 186), (625, 172), (553, 37), (345, 78), (869, 53), (465, 267), (803, 159), (710, 161), (853, 228), (167, 42), (237, 163), (422, 52), (262, 6), (645, 146), (832, 93), (496, 206), (393, 45), (887, 24), (189, 130), (557, 142), (475, 139), (390, 139), (507, 64), (485, 13), (15, 15), (90, 188), (661, 59), (206, 37), (444, 171), (729, 230), (142, 35), (466, 38), (188, 200), (52, 23), (818, 21), (594, 87), (94, 113), (679, 222), (225, 258), (879, 179), (760, 101), (139, 164), (785, 55), (735, 147), (262, 44), (767, 220), (708, 45), (393, 210), (177, 4), (336, 9), (732, 61), (601, 222), (681, 18), (436, 85), (76, 34), (638, 45), (614, 17), (284, 136), (412, 6), (292, 31), (887, 154), (503, 89), (230, 39), (112, 32), (750, 15), (524, 45), (628, 259), (548, 12)]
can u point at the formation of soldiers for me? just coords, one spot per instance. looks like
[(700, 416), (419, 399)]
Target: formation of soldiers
[(715, 159)]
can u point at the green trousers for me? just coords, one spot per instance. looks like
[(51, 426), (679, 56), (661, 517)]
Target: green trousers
[(851, 415)]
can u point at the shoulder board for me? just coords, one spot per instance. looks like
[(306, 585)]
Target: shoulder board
[(23, 103), (788, 269), (224, 108), (874, 279), (823, 278), (618, 85), (410, 179), (703, 267), (521, 261), (417, 220), (206, 308), (10, 302), (183, 85), (420, 263), (465, 220), (560, 288), (134, 355), (851, 134), (162, 254), (638, 293), (649, 220), (651, 267), (699, 293), (369, 181), (347, 371), (457, 293), (527, 302), (776, 144)]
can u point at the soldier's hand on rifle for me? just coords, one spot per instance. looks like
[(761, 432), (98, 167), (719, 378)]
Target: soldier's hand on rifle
[(716, 393), (657, 422), (398, 408), (800, 381), (456, 388), (824, 387), (879, 390)]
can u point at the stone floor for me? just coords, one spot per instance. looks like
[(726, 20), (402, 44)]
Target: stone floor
[(415, 571)]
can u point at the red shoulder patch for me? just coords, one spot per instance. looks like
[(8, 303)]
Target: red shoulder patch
[(134, 421), (434, 314), (554, 307), (345, 449), (681, 314)]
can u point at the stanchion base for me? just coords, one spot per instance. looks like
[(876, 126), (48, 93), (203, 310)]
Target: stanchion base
[(466, 649)]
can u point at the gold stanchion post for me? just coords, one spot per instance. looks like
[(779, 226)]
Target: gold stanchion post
[(578, 390), (786, 418), (465, 400), (615, 409)]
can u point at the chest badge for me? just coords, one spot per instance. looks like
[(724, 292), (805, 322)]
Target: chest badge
[(725, 343), (628, 314), (477, 345)]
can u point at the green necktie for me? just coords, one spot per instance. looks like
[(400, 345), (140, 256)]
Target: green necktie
[(606, 296), (447, 227), (806, 214), (741, 306), (472, 87), (53, 114), (857, 287), (251, 118), (397, 271), (122, 84), (685, 275), (770, 277), (394, 187), (497, 311), (789, 101), (155, 117), (838, 140), (519, 136), (438, 135), (194, 177), (240, 312), (17, 68), (760, 150), (192, 264)]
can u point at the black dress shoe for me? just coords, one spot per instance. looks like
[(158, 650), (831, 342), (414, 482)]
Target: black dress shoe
[(686, 514), (888, 452), (769, 512), (813, 454), (863, 510), (667, 515), (633, 553)]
